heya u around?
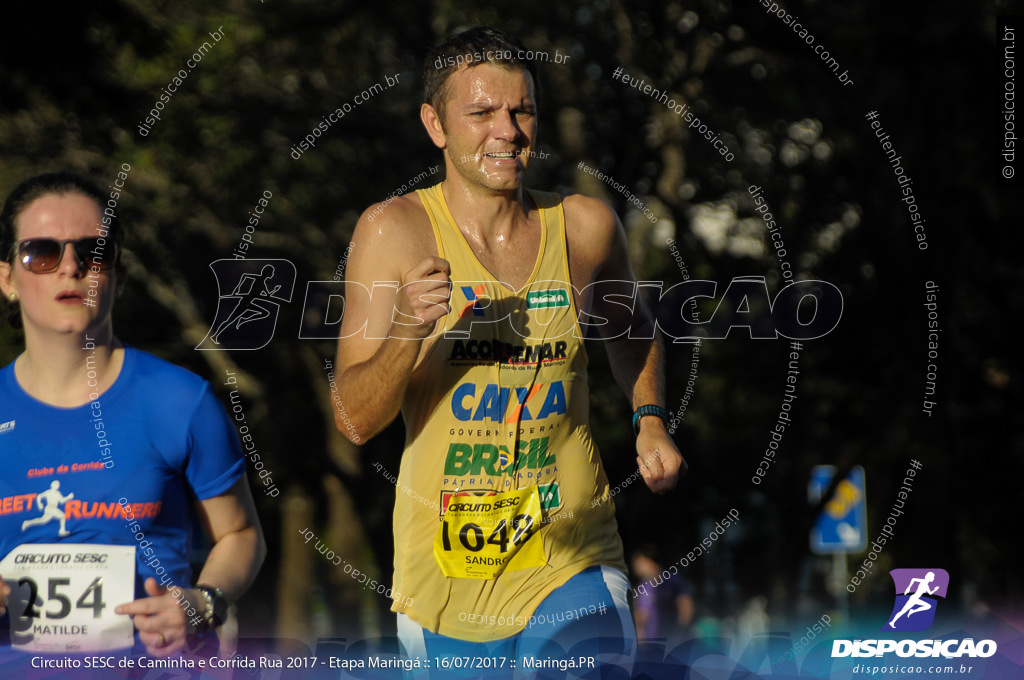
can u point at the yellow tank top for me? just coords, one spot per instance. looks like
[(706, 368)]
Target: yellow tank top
[(499, 404)]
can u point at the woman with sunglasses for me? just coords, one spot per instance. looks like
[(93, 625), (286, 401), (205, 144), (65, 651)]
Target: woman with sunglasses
[(109, 452)]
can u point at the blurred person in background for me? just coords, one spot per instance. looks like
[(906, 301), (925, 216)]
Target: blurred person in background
[(106, 449), (663, 607)]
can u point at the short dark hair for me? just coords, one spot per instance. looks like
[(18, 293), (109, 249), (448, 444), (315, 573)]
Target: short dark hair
[(648, 550), (473, 47), (59, 184)]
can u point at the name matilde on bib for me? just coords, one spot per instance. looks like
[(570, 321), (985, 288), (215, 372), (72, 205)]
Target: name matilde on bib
[(63, 596)]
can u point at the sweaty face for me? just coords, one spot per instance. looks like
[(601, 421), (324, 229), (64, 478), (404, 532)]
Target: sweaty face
[(490, 125)]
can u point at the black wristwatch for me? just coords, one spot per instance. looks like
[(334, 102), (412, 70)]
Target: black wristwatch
[(215, 611), (650, 410)]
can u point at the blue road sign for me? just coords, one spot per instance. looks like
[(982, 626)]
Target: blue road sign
[(842, 525)]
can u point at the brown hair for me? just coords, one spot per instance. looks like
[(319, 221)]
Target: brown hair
[(473, 47)]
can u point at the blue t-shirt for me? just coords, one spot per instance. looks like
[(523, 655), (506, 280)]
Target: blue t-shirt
[(131, 463)]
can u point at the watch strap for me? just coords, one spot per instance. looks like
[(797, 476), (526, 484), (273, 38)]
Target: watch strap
[(216, 604), (649, 410)]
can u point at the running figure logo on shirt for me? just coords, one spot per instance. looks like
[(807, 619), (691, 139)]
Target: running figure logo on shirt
[(915, 611), (247, 315), (51, 499)]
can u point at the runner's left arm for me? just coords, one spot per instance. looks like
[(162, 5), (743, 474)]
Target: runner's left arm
[(238, 551), (636, 361), (238, 545)]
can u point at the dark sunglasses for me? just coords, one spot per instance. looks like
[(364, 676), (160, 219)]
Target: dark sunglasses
[(42, 255)]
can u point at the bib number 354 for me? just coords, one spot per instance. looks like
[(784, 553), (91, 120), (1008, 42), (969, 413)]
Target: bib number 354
[(63, 596)]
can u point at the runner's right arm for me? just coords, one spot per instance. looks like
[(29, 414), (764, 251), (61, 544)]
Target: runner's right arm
[(384, 325)]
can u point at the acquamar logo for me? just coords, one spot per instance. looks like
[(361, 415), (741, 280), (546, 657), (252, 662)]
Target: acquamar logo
[(504, 352), (494, 402), (493, 459)]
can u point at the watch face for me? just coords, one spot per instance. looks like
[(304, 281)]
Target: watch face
[(218, 608), (215, 610)]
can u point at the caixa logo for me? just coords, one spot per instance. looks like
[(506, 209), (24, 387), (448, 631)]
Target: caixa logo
[(914, 610)]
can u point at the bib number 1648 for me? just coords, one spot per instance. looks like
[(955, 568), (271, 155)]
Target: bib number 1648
[(471, 536), (482, 536)]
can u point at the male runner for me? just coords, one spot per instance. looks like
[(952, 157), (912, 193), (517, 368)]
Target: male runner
[(464, 303)]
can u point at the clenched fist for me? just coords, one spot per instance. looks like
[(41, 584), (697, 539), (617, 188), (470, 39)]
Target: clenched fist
[(422, 299)]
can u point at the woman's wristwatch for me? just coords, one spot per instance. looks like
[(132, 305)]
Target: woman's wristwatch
[(215, 610)]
